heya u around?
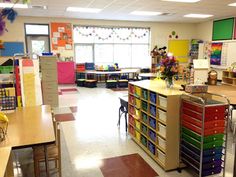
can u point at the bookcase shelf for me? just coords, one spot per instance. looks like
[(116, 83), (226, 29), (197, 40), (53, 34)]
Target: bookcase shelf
[(229, 78), (155, 125)]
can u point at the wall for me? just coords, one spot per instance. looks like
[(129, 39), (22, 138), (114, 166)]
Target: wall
[(159, 31), (204, 32)]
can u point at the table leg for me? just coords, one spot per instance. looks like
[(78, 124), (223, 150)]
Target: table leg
[(46, 161)]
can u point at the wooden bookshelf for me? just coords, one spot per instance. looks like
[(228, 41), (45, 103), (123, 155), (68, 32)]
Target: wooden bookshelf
[(154, 121), (229, 78)]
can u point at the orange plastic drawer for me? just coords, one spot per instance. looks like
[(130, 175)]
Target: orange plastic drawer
[(131, 120)]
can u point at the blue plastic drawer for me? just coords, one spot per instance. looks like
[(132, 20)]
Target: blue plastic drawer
[(153, 110), (89, 66), (151, 147), (153, 97), (152, 123), (152, 135)]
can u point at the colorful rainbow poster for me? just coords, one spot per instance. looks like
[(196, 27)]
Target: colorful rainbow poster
[(216, 50)]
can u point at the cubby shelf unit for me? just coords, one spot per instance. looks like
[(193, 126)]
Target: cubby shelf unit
[(154, 121)]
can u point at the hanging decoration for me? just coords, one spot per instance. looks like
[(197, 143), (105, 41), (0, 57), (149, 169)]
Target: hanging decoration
[(173, 35), (115, 32), (8, 14)]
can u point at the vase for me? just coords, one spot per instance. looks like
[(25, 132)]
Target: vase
[(169, 82)]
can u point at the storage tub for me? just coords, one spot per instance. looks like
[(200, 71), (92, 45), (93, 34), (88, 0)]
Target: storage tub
[(138, 136), (131, 120), (137, 91), (144, 106), (152, 123), (144, 94), (131, 110), (162, 101), (144, 129), (144, 117), (151, 147), (152, 135), (131, 130), (153, 97), (131, 99), (162, 115), (161, 156), (162, 130), (137, 103), (137, 113), (161, 142), (153, 110), (137, 124), (131, 89), (144, 140)]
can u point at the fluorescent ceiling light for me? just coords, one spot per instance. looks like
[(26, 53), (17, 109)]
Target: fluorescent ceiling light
[(10, 5), (187, 1), (232, 4), (198, 15), (86, 10), (145, 13)]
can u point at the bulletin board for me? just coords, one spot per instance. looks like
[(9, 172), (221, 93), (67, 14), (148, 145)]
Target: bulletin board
[(11, 48), (223, 29), (61, 36), (180, 49)]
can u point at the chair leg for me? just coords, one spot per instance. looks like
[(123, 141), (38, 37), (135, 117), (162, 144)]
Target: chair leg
[(118, 124)]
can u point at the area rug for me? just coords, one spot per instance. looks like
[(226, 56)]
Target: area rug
[(64, 117), (119, 89), (132, 165)]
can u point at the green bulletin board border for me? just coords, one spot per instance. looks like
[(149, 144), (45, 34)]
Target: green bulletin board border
[(223, 31)]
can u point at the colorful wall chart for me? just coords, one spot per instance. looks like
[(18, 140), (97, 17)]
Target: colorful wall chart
[(61, 36), (216, 51)]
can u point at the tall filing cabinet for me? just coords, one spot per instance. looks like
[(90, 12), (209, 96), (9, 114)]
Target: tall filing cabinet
[(49, 80)]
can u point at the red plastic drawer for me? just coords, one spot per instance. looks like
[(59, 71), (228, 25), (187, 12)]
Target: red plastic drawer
[(207, 124), (131, 99), (131, 89), (207, 131), (193, 107), (195, 115), (215, 110), (131, 120), (131, 130), (131, 110)]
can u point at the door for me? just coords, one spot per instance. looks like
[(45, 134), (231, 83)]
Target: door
[(36, 45)]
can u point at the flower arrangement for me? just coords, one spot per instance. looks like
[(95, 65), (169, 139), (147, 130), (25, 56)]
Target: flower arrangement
[(9, 14), (169, 68)]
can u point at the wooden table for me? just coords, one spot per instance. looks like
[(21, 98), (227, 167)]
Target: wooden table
[(6, 168), (30, 126)]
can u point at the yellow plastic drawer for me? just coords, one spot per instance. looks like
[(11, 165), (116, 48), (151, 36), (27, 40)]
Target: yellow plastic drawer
[(137, 103), (137, 113), (138, 91), (137, 135), (137, 124)]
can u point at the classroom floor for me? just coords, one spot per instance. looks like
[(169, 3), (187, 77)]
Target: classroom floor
[(90, 135)]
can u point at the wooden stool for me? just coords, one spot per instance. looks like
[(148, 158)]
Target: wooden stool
[(80, 82), (111, 83), (123, 83), (90, 83)]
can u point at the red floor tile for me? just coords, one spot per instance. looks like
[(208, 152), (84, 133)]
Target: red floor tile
[(73, 109), (64, 117), (132, 165)]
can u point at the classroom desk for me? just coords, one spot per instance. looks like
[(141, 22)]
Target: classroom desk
[(30, 126), (6, 166), (148, 75), (106, 73)]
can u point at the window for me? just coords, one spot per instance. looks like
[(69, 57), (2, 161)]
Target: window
[(34, 29), (129, 47)]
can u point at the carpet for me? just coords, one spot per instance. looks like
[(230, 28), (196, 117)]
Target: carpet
[(132, 165), (119, 89), (64, 117)]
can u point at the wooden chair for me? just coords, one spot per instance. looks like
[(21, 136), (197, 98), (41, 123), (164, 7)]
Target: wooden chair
[(53, 151)]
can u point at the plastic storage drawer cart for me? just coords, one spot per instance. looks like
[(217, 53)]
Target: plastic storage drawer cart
[(204, 133)]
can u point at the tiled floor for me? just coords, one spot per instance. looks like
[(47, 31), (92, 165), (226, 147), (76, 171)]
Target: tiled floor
[(94, 136)]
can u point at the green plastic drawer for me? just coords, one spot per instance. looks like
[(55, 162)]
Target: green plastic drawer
[(144, 118), (144, 141), (144, 129), (205, 145), (144, 106), (144, 94), (207, 139)]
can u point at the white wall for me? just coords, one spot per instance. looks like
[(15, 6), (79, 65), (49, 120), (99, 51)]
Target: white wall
[(159, 31)]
